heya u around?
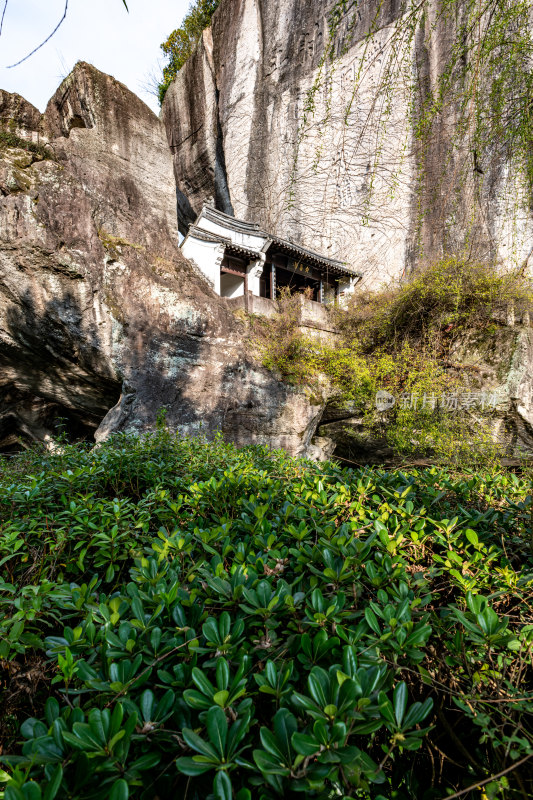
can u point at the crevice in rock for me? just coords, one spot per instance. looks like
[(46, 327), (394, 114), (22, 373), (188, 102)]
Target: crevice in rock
[(222, 193), (27, 420), (76, 122)]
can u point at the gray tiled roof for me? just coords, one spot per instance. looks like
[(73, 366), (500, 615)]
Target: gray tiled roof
[(273, 242)]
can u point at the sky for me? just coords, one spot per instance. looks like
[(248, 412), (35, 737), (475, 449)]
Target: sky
[(102, 32)]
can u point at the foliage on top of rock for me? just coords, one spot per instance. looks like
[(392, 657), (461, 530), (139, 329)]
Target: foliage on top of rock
[(444, 297), (182, 41), (8, 139), (406, 340)]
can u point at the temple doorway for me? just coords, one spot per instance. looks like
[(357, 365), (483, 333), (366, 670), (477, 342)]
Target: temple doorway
[(233, 277)]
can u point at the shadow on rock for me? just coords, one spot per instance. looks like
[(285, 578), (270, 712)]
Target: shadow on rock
[(52, 373)]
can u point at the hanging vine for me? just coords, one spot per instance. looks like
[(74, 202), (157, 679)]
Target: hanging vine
[(482, 90)]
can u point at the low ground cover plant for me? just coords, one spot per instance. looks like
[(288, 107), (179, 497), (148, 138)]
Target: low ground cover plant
[(184, 619)]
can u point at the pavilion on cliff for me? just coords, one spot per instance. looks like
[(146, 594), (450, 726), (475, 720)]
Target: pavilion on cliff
[(239, 259)]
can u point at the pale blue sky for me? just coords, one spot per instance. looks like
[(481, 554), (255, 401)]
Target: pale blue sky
[(98, 31)]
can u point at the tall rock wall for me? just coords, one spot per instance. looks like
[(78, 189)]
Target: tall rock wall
[(260, 123), (102, 320)]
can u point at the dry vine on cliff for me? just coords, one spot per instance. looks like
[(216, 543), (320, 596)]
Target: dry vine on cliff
[(483, 85)]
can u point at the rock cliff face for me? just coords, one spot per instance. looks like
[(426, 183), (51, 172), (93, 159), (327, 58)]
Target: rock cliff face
[(102, 320), (257, 121)]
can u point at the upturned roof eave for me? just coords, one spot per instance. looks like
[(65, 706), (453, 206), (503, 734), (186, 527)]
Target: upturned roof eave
[(252, 228)]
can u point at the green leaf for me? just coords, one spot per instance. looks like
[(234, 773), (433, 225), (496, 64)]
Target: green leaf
[(222, 673), (271, 744), (217, 728), (116, 719), (301, 701), (304, 744), (317, 681), (188, 766), (472, 537), (210, 631), (51, 710), (12, 792), (145, 762), (285, 725), (31, 791), (81, 739), (146, 704), (220, 698), (222, 786), (195, 742), (417, 713), (32, 728), (224, 625), (97, 726), (196, 700), (203, 683), (367, 727), (400, 702), (236, 733), (114, 739), (55, 782), (119, 790), (269, 764), (372, 621)]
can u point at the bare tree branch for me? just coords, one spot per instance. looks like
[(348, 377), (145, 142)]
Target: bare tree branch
[(61, 21), (3, 15), (48, 37)]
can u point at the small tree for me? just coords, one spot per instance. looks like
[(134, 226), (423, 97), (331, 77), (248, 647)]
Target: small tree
[(181, 42)]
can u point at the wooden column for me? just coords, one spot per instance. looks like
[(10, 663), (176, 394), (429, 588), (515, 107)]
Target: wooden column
[(272, 282)]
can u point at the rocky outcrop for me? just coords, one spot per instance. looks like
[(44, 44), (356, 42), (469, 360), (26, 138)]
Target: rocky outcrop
[(102, 320), (17, 116), (258, 122)]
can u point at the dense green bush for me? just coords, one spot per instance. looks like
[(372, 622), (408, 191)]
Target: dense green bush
[(10, 139), (446, 296), (208, 622), (400, 339)]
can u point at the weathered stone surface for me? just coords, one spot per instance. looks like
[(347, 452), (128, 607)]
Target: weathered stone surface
[(102, 320), (239, 126), (17, 115)]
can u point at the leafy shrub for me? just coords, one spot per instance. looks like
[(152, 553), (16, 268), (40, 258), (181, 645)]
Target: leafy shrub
[(10, 139), (182, 42), (280, 341), (399, 340), (212, 622), (447, 295)]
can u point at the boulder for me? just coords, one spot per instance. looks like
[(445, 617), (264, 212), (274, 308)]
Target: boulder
[(103, 322)]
